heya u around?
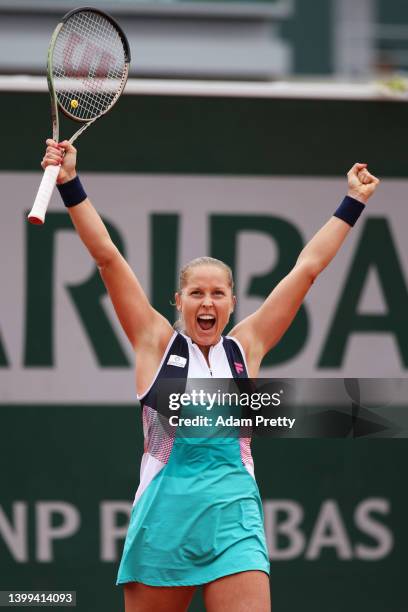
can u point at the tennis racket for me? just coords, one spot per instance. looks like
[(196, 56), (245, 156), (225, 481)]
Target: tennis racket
[(87, 69)]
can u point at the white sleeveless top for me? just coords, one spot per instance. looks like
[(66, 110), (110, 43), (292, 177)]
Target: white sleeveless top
[(160, 445)]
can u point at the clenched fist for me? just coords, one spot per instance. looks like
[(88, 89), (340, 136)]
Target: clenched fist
[(361, 184), (60, 154)]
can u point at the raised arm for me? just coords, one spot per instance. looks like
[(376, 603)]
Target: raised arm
[(259, 332), (143, 325)]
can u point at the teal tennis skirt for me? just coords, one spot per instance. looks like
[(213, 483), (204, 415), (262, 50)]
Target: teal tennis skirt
[(199, 519)]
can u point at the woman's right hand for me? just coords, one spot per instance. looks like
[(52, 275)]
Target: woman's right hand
[(61, 154)]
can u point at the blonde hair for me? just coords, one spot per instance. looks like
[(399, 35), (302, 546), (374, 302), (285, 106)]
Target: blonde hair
[(195, 263)]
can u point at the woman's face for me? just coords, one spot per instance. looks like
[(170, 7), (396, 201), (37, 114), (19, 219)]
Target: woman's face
[(206, 303)]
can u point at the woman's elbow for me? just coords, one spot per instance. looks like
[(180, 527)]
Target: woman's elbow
[(311, 267), (105, 254)]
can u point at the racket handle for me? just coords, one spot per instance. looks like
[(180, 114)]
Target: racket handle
[(43, 197)]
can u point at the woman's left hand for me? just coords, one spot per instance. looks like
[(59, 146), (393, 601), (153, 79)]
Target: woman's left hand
[(361, 184)]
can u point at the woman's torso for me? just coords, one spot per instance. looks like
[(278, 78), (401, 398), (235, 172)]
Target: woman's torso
[(150, 356)]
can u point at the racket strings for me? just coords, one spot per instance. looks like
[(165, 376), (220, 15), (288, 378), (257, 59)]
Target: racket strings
[(88, 65)]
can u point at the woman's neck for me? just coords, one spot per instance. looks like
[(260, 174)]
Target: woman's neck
[(204, 348), (205, 351)]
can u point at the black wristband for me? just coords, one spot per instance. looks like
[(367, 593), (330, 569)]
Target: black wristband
[(72, 192), (349, 210)]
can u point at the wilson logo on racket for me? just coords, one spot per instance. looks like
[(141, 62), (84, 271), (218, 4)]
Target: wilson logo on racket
[(87, 70), (80, 56)]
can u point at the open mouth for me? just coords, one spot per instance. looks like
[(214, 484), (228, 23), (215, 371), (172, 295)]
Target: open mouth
[(206, 322)]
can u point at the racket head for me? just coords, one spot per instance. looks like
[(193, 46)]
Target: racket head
[(88, 64)]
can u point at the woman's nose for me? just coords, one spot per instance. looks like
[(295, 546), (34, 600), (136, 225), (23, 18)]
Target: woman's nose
[(207, 301)]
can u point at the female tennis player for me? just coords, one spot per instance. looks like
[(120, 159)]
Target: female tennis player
[(197, 517)]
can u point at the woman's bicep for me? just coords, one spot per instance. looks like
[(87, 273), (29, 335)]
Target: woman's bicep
[(265, 327), (135, 313)]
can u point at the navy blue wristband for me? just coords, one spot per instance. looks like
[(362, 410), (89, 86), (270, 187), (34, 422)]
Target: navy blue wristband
[(349, 210), (72, 192)]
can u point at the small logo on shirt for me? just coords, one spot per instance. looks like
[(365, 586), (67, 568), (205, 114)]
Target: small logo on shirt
[(176, 360), (238, 367)]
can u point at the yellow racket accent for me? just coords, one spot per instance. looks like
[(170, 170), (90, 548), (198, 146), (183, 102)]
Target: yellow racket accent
[(74, 103)]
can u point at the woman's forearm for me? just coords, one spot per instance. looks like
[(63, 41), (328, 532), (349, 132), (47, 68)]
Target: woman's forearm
[(324, 245), (87, 222), (92, 232), (85, 218)]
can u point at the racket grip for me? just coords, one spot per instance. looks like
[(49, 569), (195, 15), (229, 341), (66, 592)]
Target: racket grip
[(43, 197)]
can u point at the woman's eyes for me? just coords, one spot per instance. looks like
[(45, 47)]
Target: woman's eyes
[(218, 292)]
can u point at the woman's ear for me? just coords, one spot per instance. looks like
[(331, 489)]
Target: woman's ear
[(177, 299), (234, 302)]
